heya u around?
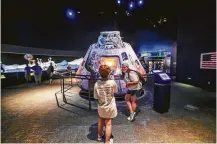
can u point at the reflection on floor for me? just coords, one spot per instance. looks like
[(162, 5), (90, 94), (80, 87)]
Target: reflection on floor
[(30, 114)]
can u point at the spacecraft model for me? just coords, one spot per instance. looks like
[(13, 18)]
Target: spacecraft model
[(45, 65), (112, 51), (61, 67), (64, 65)]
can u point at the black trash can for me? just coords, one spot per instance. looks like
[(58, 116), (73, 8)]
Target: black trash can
[(162, 86), (161, 97)]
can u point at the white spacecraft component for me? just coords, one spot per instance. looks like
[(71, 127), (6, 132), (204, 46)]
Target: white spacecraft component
[(73, 66), (112, 51), (61, 67), (13, 68), (20, 68), (45, 65), (75, 63), (28, 57)]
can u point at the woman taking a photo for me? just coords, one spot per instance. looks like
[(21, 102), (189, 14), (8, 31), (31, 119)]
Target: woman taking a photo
[(104, 91)]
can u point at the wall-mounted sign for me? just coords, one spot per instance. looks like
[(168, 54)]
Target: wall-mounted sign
[(208, 60), (155, 54), (145, 55)]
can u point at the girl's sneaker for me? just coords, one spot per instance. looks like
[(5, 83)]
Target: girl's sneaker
[(132, 116), (100, 137), (111, 140)]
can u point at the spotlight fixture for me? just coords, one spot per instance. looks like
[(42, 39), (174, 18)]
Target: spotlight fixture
[(131, 5), (140, 2), (118, 2), (70, 13)]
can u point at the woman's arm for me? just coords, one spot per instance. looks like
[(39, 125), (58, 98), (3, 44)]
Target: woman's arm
[(95, 91), (115, 87), (133, 83)]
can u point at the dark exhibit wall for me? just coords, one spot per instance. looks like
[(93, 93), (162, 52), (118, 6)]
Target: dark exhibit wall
[(139, 40), (9, 58), (196, 35)]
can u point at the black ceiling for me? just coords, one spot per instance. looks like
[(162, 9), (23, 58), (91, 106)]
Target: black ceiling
[(55, 9), (23, 21)]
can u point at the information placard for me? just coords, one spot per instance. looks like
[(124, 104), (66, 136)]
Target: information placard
[(156, 71), (164, 76)]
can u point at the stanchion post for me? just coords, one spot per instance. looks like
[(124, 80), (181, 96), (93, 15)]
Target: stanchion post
[(63, 83), (17, 76), (89, 94), (71, 77)]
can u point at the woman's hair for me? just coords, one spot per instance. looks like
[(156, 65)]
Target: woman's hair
[(104, 71)]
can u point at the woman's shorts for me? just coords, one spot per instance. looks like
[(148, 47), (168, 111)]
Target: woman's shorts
[(135, 93)]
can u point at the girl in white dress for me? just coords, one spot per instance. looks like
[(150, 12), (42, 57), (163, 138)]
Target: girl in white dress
[(104, 91)]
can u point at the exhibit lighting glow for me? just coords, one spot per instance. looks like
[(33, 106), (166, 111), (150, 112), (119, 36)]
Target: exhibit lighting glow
[(140, 2), (185, 85), (70, 13), (3, 77), (131, 5), (110, 61), (118, 2)]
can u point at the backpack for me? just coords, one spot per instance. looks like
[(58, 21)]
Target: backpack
[(141, 79)]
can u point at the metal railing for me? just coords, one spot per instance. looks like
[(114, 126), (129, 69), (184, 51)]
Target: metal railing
[(65, 87)]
